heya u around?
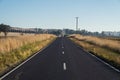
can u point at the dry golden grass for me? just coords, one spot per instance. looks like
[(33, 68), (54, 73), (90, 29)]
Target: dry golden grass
[(13, 34), (98, 47), (14, 50), (112, 38), (110, 44), (9, 44)]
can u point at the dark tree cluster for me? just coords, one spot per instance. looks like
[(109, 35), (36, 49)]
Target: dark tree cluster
[(4, 28)]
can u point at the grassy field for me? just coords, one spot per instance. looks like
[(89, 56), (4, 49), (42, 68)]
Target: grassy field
[(112, 38), (14, 34), (16, 49), (108, 50)]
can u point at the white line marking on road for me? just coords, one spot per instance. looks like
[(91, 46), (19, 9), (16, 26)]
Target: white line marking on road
[(117, 70), (64, 66), (62, 47), (24, 62), (104, 62), (63, 52)]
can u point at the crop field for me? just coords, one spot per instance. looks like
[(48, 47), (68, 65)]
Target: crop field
[(107, 49), (16, 48)]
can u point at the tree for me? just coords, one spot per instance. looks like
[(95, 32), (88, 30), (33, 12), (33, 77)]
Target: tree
[(4, 28)]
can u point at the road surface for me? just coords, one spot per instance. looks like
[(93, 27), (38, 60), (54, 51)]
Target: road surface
[(63, 60)]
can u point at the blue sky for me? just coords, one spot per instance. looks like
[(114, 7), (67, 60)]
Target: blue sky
[(94, 15)]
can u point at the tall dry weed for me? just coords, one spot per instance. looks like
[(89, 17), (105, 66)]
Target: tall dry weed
[(9, 44), (111, 44)]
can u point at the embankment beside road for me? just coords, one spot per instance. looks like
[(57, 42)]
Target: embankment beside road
[(14, 50), (108, 50)]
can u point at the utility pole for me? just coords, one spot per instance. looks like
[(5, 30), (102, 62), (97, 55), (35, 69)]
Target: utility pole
[(76, 23)]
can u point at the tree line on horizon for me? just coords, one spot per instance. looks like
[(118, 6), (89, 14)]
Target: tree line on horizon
[(4, 28), (7, 28)]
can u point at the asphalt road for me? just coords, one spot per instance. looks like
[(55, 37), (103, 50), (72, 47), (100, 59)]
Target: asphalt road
[(63, 60)]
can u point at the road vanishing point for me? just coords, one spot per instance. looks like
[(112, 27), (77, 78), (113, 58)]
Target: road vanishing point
[(63, 60)]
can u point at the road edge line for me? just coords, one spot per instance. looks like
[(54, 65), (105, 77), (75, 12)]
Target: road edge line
[(112, 67), (5, 75)]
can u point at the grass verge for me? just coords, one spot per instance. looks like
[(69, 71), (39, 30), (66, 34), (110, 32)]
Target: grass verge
[(105, 54), (9, 60)]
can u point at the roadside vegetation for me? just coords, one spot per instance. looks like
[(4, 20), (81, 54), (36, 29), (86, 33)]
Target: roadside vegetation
[(4, 28), (14, 50), (106, 49), (112, 38)]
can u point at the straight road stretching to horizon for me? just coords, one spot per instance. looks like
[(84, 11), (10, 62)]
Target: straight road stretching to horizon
[(63, 60)]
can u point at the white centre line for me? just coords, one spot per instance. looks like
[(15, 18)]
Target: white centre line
[(64, 66), (63, 52), (62, 47)]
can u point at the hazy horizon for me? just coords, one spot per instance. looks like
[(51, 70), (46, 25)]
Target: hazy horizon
[(100, 15)]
